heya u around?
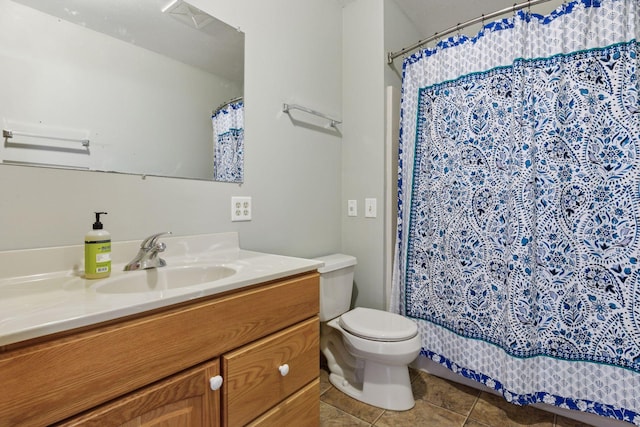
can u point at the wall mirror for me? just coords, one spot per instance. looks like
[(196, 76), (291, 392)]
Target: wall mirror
[(150, 87)]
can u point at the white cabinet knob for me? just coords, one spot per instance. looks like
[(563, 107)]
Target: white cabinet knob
[(215, 382), (284, 369)]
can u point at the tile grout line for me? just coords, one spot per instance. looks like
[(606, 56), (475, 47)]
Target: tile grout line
[(378, 418), (347, 412), (471, 410)]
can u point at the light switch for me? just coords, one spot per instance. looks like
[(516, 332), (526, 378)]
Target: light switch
[(352, 208), (370, 208)]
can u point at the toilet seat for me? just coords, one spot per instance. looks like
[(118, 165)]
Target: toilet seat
[(378, 325)]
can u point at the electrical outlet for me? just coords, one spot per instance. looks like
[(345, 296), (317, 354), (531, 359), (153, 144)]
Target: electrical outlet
[(352, 208), (241, 209), (370, 209)]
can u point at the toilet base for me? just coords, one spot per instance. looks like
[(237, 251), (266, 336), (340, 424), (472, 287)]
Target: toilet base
[(384, 386)]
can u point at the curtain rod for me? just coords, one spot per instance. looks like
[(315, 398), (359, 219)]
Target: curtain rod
[(393, 55), (224, 104)]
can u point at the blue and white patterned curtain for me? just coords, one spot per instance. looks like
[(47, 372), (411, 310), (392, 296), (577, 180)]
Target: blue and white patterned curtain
[(519, 206), (228, 140)]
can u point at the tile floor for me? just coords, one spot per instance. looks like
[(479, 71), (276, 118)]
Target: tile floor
[(439, 403)]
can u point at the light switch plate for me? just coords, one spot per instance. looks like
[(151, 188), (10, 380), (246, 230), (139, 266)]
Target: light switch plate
[(352, 208), (241, 209), (370, 208)]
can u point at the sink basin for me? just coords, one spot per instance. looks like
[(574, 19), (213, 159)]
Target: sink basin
[(160, 279)]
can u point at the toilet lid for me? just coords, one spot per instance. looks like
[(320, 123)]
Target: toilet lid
[(378, 325)]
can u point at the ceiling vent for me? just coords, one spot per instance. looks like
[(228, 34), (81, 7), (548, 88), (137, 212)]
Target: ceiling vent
[(187, 14)]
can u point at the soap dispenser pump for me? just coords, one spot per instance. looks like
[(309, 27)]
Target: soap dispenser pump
[(97, 251)]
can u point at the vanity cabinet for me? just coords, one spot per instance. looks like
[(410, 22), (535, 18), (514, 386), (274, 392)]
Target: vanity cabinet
[(155, 368)]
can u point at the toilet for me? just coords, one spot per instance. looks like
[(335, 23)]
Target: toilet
[(368, 351)]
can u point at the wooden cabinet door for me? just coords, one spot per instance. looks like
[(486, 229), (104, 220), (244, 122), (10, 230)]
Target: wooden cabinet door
[(183, 400), (260, 375)]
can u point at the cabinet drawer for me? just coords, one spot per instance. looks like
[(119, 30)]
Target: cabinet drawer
[(300, 410), (253, 380)]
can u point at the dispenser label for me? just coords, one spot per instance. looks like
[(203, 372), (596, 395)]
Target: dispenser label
[(102, 257), (97, 257)]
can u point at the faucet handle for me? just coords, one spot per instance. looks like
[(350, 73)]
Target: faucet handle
[(151, 241)]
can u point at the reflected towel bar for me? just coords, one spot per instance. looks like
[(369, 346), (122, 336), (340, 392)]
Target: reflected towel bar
[(287, 107), (10, 133)]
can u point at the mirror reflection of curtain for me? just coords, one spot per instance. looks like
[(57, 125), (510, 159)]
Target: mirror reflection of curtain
[(228, 140)]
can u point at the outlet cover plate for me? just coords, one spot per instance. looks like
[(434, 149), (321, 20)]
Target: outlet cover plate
[(240, 208)]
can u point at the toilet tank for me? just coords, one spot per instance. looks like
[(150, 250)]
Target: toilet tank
[(336, 285)]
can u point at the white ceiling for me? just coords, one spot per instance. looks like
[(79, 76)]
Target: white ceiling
[(217, 47), (142, 23)]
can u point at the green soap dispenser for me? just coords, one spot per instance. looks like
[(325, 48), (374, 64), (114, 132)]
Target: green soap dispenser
[(97, 251)]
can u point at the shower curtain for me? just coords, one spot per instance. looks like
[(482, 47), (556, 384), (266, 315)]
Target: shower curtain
[(519, 201), (228, 142)]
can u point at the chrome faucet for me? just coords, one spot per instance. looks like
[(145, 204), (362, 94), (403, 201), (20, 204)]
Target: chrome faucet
[(147, 256)]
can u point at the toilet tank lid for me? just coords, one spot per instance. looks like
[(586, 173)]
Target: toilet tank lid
[(335, 262)]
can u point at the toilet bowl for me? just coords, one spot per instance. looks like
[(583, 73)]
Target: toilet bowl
[(367, 350)]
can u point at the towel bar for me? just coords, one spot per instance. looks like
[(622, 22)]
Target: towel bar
[(6, 133), (287, 107)]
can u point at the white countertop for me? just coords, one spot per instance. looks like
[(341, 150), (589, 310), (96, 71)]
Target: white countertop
[(42, 303)]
